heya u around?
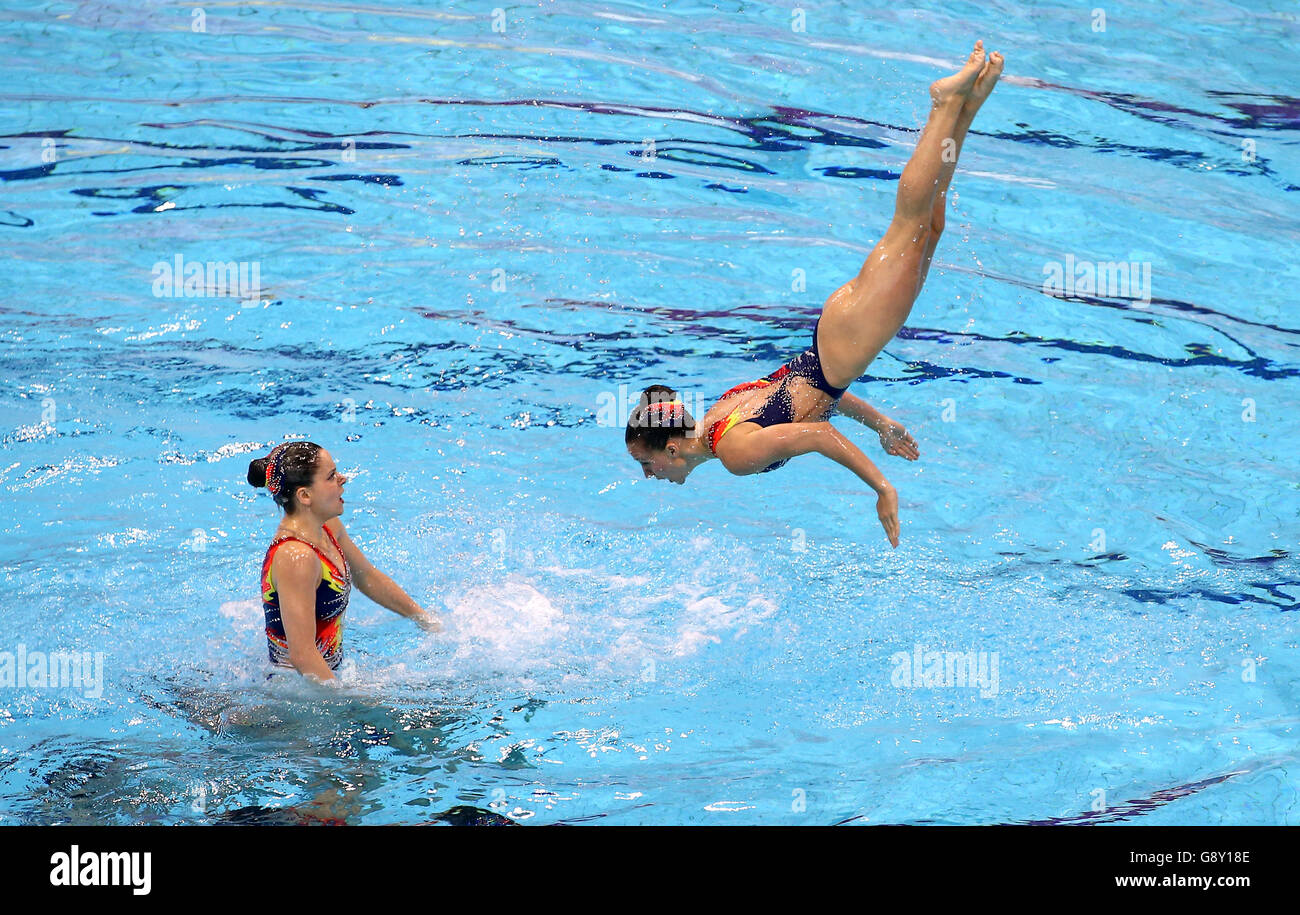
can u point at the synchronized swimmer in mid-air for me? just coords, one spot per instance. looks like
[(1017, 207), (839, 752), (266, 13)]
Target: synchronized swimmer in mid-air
[(758, 426)]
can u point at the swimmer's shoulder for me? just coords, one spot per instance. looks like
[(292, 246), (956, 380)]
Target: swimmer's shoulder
[(295, 560)]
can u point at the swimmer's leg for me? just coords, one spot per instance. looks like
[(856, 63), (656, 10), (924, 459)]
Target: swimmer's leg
[(864, 314), (984, 84)]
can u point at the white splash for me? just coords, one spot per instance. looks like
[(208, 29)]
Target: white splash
[(509, 622)]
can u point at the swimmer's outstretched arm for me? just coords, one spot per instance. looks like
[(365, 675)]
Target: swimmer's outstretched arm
[(753, 449), (377, 586), (894, 438)]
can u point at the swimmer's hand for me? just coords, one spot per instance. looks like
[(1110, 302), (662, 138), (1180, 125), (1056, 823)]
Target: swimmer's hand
[(896, 440), (887, 511), (429, 622)]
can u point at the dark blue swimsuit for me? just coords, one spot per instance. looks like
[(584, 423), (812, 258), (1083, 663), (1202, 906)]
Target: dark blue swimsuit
[(779, 406)]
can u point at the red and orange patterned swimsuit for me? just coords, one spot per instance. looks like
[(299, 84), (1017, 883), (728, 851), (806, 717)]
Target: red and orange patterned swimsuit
[(779, 406), (331, 600)]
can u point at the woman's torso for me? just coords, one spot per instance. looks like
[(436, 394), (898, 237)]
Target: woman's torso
[(781, 397), (331, 599), (809, 404)]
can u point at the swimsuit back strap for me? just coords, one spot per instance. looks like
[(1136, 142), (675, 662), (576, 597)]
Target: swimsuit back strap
[(720, 428), (315, 549), (328, 533), (748, 386)]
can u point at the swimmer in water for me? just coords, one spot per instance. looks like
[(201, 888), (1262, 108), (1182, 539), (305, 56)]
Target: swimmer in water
[(758, 426), (311, 564)]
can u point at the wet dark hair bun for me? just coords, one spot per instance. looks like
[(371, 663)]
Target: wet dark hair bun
[(257, 473), (653, 423), (297, 469), (657, 393)]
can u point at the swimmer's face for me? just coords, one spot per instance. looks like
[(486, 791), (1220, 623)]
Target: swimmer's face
[(667, 464), (325, 495)]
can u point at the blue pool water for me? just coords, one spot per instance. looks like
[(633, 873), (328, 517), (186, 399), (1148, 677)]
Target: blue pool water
[(472, 233)]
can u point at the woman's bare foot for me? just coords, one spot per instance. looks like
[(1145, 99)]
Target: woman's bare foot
[(960, 83), (984, 83)]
